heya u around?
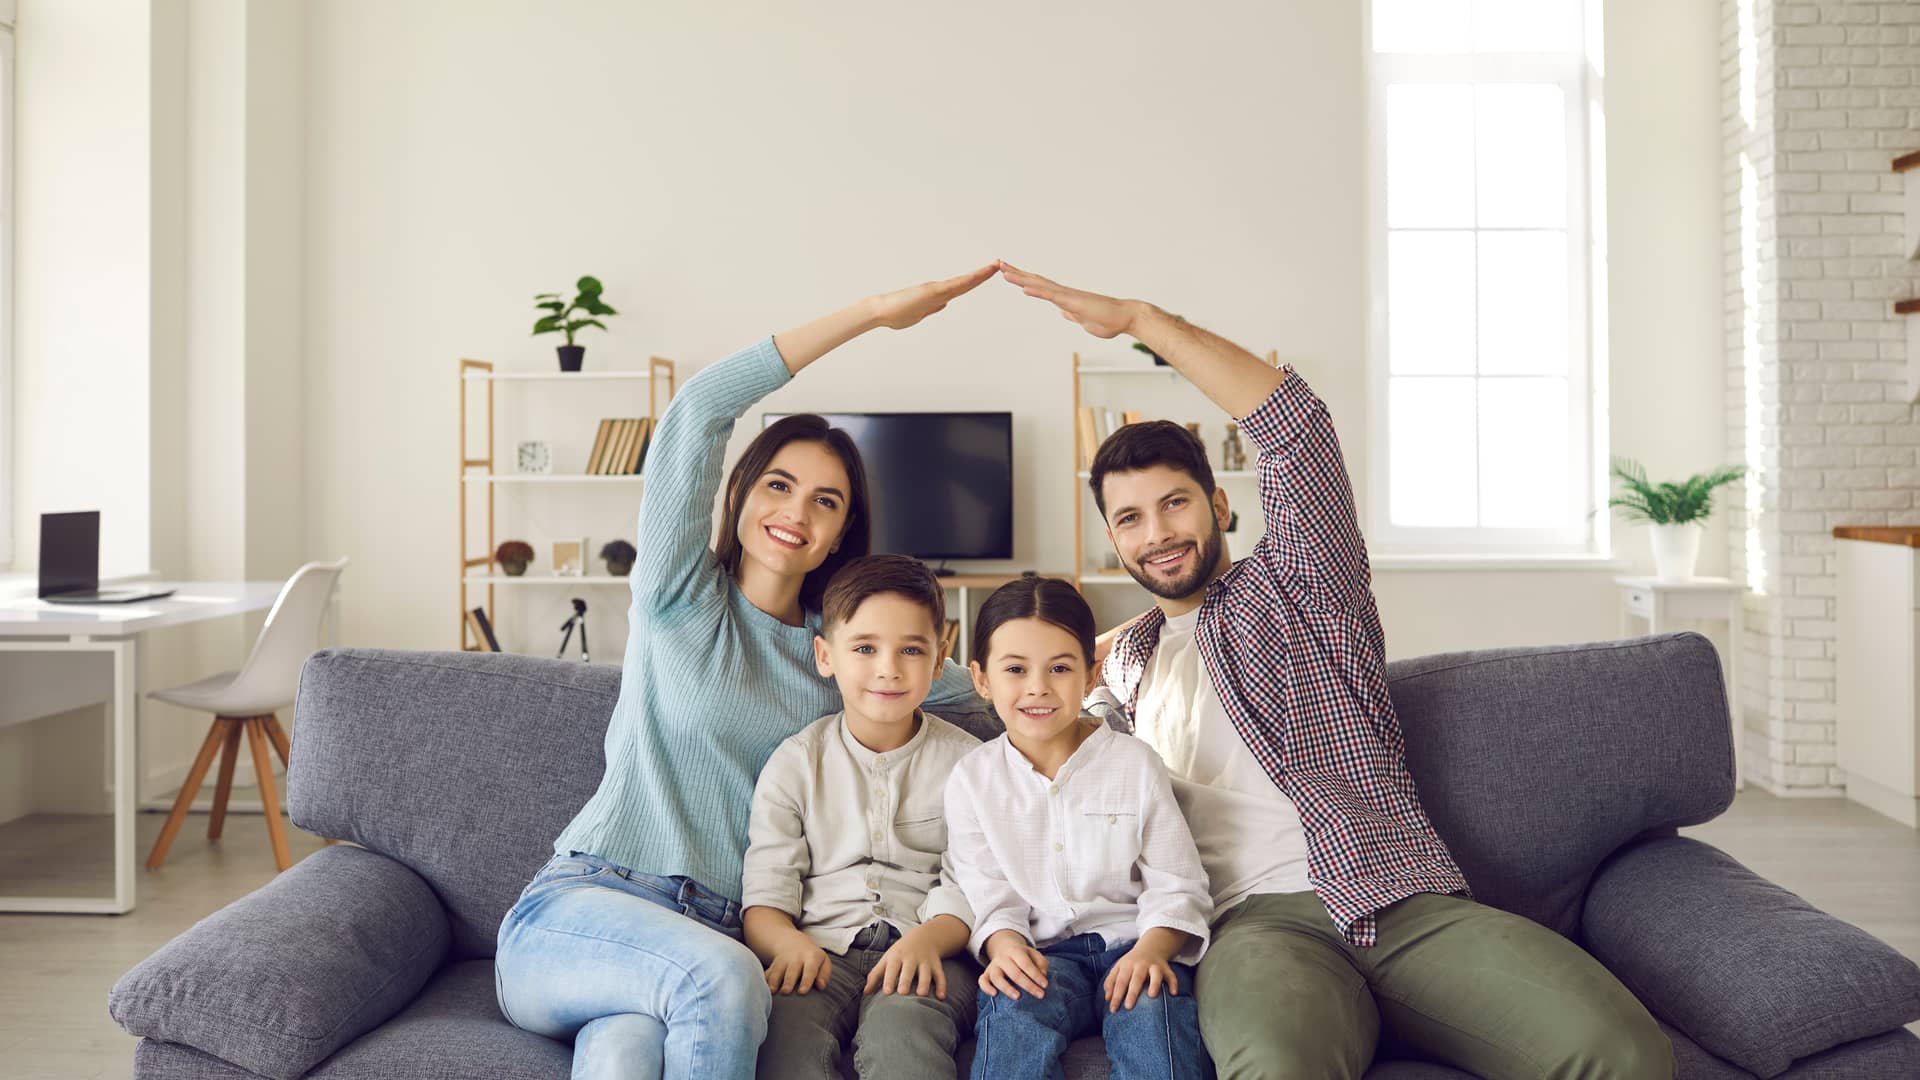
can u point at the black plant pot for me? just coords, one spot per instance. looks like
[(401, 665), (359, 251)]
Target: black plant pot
[(571, 356)]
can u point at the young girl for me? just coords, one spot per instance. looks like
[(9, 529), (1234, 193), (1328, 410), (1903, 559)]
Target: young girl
[(1084, 881), (627, 943)]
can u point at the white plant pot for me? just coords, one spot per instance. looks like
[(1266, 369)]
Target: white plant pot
[(1676, 548)]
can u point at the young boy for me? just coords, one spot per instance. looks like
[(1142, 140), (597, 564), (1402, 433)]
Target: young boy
[(847, 891)]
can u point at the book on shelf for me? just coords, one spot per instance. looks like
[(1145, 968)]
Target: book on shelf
[(1131, 416), (641, 442), (622, 433), (620, 447), (1088, 435), (482, 628), (599, 448), (949, 638)]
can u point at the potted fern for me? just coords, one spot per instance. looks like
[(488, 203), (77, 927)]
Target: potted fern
[(1673, 512), (559, 319)]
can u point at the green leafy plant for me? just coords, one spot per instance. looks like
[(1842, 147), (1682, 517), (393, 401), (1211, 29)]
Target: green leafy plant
[(559, 320), (1668, 503)]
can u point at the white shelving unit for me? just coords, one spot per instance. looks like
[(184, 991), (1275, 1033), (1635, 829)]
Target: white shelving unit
[(1143, 372), (479, 373)]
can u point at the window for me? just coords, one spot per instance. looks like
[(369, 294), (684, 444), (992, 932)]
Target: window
[(1485, 396)]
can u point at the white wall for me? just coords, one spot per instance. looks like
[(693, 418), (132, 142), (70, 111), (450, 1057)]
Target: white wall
[(731, 172)]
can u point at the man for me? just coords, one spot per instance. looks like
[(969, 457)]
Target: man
[(1263, 685)]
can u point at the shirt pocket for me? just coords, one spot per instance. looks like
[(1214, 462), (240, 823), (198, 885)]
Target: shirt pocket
[(1110, 840), (924, 837)]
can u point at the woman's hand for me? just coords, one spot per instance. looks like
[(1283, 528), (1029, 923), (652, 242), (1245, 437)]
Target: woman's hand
[(1013, 965), (902, 308)]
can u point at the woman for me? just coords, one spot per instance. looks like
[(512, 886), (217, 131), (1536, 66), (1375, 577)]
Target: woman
[(628, 940)]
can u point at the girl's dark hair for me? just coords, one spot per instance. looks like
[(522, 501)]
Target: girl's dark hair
[(856, 538), (1050, 600)]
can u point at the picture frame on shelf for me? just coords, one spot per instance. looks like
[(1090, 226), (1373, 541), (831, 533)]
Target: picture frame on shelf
[(570, 558)]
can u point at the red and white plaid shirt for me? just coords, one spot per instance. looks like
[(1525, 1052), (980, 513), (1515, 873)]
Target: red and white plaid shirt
[(1292, 641)]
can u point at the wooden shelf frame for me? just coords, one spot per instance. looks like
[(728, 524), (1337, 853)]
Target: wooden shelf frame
[(481, 372)]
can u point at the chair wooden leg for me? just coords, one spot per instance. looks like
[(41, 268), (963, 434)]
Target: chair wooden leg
[(269, 800), (229, 755), (215, 735), (280, 741)]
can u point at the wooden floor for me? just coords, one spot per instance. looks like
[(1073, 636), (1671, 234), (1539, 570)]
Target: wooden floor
[(55, 970)]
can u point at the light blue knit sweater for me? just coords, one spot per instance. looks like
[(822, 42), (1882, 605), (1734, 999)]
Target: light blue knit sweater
[(710, 684)]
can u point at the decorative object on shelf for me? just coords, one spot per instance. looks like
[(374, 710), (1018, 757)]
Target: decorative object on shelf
[(1233, 453), (558, 319), (533, 456), (570, 558), (619, 557), (1237, 546), (579, 618), (513, 556), (1674, 512), (482, 628)]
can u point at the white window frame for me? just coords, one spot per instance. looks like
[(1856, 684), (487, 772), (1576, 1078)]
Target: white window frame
[(1579, 76), (7, 87)]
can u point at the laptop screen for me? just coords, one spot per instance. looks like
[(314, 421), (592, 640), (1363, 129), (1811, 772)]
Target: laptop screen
[(69, 552)]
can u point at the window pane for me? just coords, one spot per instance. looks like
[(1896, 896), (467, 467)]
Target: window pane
[(1430, 451), (1430, 307), (1523, 453), (1526, 25), (1421, 26), (1429, 156), (1523, 303), (1521, 155)]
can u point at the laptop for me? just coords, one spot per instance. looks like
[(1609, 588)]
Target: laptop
[(70, 563)]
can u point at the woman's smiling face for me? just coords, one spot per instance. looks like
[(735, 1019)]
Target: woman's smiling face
[(794, 514)]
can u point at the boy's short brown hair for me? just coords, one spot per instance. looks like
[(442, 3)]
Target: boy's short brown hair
[(871, 575)]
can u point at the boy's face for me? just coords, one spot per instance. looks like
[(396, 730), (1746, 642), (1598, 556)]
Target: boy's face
[(882, 656)]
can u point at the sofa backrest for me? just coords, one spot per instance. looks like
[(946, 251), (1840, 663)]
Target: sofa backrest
[(1535, 764)]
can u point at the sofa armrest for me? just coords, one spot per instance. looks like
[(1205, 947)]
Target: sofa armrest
[(281, 978), (1748, 970)]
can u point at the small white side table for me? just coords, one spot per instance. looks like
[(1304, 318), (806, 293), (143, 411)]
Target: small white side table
[(1662, 602)]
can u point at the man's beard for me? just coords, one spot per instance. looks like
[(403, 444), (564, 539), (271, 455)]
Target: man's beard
[(1195, 579)]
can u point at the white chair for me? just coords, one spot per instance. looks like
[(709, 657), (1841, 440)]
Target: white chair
[(246, 700)]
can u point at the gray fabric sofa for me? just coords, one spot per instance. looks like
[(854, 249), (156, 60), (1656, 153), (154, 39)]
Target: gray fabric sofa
[(1557, 776)]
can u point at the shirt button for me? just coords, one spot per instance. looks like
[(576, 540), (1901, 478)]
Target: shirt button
[(877, 836), (879, 793), (1111, 819), (879, 909), (879, 761), (1057, 846), (1054, 790), (873, 883)]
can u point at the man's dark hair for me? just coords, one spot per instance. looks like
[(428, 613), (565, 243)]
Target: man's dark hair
[(871, 575), (1144, 445)]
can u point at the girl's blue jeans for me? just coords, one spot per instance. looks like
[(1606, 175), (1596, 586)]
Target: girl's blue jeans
[(646, 975)]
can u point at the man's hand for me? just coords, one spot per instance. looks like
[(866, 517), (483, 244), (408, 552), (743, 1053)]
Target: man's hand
[(798, 967), (902, 308), (910, 965), (1146, 965), (1101, 316), (1013, 965)]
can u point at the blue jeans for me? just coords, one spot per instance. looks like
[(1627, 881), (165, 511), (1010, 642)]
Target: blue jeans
[(646, 974), (1157, 1039)]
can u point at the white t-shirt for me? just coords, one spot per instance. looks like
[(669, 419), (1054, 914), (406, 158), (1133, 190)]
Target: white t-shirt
[(1248, 832)]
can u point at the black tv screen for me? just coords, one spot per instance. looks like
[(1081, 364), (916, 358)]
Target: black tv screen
[(941, 483)]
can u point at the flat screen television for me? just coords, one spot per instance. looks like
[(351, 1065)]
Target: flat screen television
[(941, 482)]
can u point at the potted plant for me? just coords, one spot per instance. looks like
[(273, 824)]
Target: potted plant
[(559, 318), (619, 556), (1673, 512), (513, 556)]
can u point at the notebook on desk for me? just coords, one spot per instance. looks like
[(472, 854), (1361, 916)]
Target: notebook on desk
[(70, 563)]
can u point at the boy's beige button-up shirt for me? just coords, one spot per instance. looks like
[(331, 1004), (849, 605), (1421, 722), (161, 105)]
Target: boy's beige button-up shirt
[(841, 837)]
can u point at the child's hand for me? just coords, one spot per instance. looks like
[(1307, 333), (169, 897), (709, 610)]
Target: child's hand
[(1012, 966), (910, 965), (1145, 965), (799, 967)]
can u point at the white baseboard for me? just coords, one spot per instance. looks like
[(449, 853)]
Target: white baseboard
[(1882, 799), (1767, 785)]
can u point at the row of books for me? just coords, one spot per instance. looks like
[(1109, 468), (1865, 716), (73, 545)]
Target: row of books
[(1095, 424), (620, 447)]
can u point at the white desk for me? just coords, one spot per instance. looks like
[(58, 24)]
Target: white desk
[(1660, 602), (50, 662)]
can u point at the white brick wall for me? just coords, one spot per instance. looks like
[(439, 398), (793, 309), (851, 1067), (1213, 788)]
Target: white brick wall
[(1818, 97)]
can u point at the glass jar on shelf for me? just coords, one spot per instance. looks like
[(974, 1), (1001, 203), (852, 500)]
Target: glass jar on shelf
[(1233, 454)]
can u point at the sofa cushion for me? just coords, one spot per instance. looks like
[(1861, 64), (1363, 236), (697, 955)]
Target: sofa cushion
[(1895, 1053), (1535, 764), (283, 977), (1748, 970)]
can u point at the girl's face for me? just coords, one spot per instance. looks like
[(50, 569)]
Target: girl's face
[(1036, 675), (796, 510)]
